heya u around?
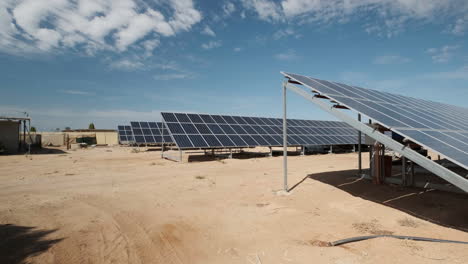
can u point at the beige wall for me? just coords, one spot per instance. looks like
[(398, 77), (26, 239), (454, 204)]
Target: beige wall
[(52, 138), (9, 135), (58, 138), (109, 138)]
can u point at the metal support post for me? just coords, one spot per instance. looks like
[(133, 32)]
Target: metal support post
[(331, 149), (271, 152), (404, 179), (230, 153), (180, 155), (302, 150), (285, 140), (359, 148)]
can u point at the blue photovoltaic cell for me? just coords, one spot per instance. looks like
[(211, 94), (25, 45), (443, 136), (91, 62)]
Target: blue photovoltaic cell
[(437, 126), (148, 132), (216, 131), (125, 134)]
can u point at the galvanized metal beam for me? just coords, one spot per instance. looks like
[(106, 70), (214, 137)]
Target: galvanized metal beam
[(285, 139), (422, 161)]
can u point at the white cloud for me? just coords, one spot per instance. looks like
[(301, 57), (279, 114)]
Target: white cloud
[(283, 33), (237, 49), (90, 25), (460, 26), (75, 92), (287, 56), (208, 31), (212, 44), (457, 74), (266, 9), (391, 59), (172, 76), (443, 54), (126, 64), (228, 8), (393, 16)]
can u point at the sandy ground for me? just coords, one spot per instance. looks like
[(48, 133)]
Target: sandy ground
[(110, 205)]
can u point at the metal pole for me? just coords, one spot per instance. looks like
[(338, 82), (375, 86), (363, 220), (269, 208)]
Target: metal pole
[(359, 148), (404, 179), (285, 140)]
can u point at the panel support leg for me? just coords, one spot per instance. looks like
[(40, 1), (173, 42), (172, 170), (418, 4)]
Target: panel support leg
[(180, 155), (359, 148), (331, 149), (230, 153), (404, 178), (271, 152), (302, 150), (285, 140)]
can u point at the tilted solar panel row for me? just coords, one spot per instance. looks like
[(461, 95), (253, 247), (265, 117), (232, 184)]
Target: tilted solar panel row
[(125, 134), (440, 127), (221, 131), (150, 133)]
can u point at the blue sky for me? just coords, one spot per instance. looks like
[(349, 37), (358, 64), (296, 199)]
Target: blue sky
[(69, 63)]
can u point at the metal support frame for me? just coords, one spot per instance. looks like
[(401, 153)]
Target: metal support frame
[(359, 148), (331, 149), (404, 178), (230, 153), (428, 164), (271, 152), (285, 139), (302, 150)]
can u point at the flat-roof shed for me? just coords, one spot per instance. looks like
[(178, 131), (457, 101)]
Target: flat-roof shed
[(10, 128)]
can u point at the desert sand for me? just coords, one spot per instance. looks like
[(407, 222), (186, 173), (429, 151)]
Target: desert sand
[(114, 205)]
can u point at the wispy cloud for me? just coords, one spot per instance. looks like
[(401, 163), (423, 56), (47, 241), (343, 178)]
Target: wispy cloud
[(392, 17), (228, 8), (391, 59), (289, 55), (283, 33), (237, 49), (212, 44), (126, 64), (76, 92), (460, 26), (208, 31), (457, 74), (172, 76), (443, 54)]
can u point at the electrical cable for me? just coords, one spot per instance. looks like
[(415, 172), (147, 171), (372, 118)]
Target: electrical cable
[(361, 238)]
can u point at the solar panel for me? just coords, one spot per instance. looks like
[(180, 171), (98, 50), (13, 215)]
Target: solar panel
[(125, 134), (192, 131), (150, 132), (437, 126)]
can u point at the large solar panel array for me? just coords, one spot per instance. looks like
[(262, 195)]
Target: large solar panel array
[(150, 133), (440, 127), (125, 134), (191, 131)]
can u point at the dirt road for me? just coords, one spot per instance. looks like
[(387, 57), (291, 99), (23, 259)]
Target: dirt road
[(110, 205)]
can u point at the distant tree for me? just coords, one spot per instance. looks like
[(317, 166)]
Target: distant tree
[(57, 129), (33, 129), (91, 126), (67, 128)]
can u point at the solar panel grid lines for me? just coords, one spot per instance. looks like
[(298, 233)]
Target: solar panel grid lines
[(150, 132), (437, 126), (191, 130), (125, 134)]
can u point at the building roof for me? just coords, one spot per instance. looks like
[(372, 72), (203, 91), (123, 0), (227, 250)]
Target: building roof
[(9, 118), (89, 130)]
